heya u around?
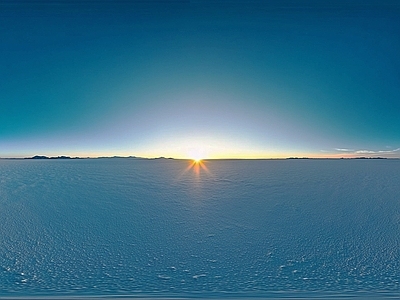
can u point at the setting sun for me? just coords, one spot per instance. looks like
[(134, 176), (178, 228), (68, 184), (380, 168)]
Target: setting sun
[(197, 165), (197, 160), (197, 154)]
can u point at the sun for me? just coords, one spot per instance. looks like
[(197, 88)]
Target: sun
[(197, 159), (197, 156), (197, 153)]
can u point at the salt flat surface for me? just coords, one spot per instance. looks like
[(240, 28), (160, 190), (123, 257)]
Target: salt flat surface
[(148, 228)]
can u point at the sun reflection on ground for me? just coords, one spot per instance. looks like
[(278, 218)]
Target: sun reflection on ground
[(195, 171), (197, 165)]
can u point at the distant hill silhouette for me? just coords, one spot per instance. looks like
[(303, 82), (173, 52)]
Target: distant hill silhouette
[(46, 157)]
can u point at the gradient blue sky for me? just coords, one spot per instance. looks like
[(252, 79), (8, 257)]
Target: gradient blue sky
[(255, 79)]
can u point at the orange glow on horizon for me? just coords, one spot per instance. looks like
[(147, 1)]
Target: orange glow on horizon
[(197, 165)]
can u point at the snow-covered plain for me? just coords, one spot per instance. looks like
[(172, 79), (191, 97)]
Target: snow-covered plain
[(148, 228)]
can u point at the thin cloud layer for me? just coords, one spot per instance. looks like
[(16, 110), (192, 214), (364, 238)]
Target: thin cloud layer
[(383, 153), (344, 149)]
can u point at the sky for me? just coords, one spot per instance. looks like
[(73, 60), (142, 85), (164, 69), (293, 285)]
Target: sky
[(211, 79)]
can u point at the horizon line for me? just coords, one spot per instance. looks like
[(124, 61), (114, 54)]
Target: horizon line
[(44, 157)]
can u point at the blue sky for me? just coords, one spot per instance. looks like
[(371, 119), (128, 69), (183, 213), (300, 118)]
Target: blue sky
[(244, 79)]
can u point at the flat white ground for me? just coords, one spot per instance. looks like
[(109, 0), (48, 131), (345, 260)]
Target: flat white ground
[(154, 228)]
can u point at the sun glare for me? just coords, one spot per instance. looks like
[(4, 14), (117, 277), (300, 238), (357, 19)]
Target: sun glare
[(197, 165), (197, 160), (196, 157)]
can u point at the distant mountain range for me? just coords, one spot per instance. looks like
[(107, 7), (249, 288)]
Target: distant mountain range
[(46, 157), (68, 157)]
